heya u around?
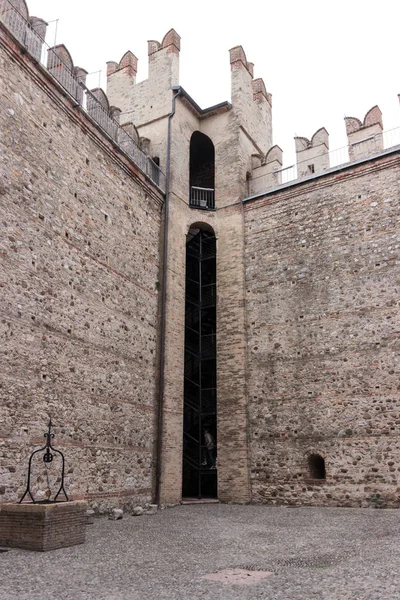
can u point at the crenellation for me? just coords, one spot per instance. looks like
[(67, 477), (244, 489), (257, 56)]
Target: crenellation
[(61, 66), (129, 63), (252, 105), (15, 15), (115, 113), (238, 59), (98, 107), (112, 67), (39, 25), (121, 77), (164, 60), (312, 156), (260, 92), (365, 138), (150, 99), (80, 75), (101, 97), (172, 40), (145, 145), (250, 67), (268, 172), (35, 36)]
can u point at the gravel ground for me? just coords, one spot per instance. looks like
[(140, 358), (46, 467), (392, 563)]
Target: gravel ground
[(312, 553)]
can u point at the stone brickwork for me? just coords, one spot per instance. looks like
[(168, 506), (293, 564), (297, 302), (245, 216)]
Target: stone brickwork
[(306, 287), (43, 527), (323, 338), (79, 273)]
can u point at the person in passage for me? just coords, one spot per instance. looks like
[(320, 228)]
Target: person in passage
[(209, 450)]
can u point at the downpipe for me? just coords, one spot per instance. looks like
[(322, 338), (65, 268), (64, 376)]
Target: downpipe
[(177, 91)]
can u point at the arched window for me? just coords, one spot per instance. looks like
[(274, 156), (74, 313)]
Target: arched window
[(202, 171), (316, 466)]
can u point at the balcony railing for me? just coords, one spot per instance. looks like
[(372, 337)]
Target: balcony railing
[(202, 198)]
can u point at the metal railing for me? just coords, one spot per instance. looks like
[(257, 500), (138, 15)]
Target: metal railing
[(74, 85), (202, 198), (21, 29), (368, 147)]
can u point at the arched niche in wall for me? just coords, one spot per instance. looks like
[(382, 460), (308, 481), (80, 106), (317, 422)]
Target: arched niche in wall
[(316, 466)]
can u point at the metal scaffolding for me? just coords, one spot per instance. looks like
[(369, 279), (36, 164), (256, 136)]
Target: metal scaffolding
[(200, 386)]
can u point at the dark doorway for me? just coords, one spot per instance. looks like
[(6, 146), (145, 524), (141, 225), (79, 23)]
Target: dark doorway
[(200, 385), (202, 171)]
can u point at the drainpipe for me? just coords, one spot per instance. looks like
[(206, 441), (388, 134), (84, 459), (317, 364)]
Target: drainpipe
[(177, 90)]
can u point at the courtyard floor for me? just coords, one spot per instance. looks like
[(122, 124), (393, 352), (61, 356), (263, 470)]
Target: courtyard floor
[(263, 552)]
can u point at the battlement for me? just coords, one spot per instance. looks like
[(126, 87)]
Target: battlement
[(15, 16), (128, 102), (61, 66), (366, 139), (238, 59), (312, 155), (171, 42), (150, 99), (57, 61), (358, 132), (251, 102), (128, 64), (260, 91), (128, 112)]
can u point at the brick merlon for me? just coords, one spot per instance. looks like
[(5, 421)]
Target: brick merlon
[(260, 91), (171, 40), (237, 55)]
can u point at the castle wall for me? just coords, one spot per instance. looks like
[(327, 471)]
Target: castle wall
[(306, 290), (79, 267), (323, 338)]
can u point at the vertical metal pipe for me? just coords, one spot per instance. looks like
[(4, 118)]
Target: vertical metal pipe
[(163, 302), (200, 299)]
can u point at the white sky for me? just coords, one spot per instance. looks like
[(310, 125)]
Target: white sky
[(321, 60)]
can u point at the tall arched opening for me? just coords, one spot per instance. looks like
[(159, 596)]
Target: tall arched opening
[(200, 374), (202, 171)]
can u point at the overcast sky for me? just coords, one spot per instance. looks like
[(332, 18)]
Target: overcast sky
[(321, 60)]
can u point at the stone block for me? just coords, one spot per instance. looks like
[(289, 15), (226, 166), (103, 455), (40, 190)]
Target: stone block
[(137, 511)]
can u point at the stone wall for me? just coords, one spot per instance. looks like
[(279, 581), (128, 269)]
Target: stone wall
[(306, 286), (79, 273), (323, 337)]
